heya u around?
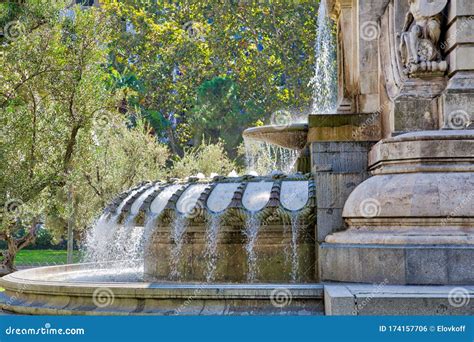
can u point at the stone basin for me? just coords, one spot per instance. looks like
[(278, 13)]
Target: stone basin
[(88, 289), (293, 136)]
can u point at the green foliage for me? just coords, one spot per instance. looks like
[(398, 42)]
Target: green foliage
[(52, 88), (94, 101), (206, 159), (114, 157), (184, 51), (219, 112)]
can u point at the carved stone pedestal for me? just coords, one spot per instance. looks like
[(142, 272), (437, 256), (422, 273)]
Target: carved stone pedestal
[(412, 222)]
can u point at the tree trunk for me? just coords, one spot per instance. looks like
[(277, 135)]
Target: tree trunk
[(14, 246), (8, 263)]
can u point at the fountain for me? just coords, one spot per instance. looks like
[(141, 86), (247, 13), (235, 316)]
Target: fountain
[(381, 199)]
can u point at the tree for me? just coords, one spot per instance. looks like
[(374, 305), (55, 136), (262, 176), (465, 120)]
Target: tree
[(219, 113), (114, 157), (52, 86), (204, 158), (180, 50)]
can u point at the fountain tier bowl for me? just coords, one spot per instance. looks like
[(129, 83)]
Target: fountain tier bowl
[(237, 229), (293, 136), (88, 289)]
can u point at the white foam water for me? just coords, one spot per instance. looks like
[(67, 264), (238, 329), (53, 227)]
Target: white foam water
[(212, 233), (104, 233), (324, 81), (263, 158), (178, 229), (252, 227)]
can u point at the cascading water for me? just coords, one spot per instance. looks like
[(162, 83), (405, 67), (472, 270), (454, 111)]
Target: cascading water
[(212, 231), (100, 239), (131, 236), (263, 158), (110, 241), (178, 228), (252, 226), (324, 81)]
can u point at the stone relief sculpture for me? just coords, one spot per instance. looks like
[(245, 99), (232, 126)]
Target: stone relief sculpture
[(419, 40)]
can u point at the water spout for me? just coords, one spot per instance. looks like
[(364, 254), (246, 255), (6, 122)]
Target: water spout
[(178, 229), (212, 231), (324, 81), (252, 227)]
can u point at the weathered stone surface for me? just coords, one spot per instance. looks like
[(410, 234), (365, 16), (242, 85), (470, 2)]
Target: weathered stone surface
[(338, 300), (329, 220), (413, 195), (292, 136), (398, 264), (27, 293), (426, 266), (338, 168), (422, 194), (415, 114), (272, 250), (344, 127), (362, 264), (382, 299), (333, 189)]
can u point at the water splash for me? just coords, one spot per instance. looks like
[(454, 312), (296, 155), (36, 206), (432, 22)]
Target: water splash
[(104, 234), (98, 236), (263, 158), (178, 228), (148, 230), (252, 227), (212, 231), (324, 81)]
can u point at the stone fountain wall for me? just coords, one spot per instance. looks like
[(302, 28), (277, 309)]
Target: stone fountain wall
[(400, 145), (200, 230), (273, 263)]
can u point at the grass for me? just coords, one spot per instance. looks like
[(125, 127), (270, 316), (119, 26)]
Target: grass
[(44, 257)]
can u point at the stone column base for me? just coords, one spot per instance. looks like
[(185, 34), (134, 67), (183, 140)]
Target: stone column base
[(397, 264)]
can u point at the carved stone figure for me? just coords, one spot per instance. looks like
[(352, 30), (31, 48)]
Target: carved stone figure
[(419, 45)]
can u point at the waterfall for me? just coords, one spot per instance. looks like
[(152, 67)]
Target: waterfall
[(148, 230), (101, 242), (178, 228), (252, 226), (98, 236), (324, 81), (212, 230), (263, 158)]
